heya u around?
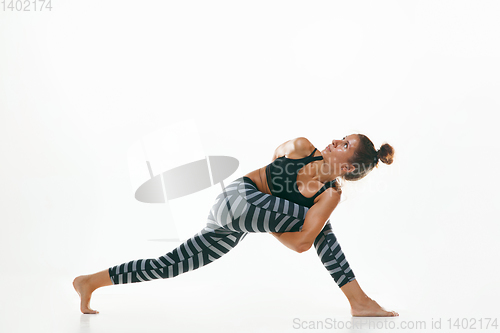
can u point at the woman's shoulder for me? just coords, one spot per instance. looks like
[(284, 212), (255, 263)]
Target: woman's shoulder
[(300, 147), (296, 148)]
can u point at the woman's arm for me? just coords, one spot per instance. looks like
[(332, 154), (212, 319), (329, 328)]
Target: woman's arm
[(316, 217)]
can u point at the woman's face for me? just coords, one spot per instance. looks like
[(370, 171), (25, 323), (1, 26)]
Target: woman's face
[(338, 153)]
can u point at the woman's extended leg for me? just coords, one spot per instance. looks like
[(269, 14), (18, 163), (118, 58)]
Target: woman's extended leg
[(201, 249)]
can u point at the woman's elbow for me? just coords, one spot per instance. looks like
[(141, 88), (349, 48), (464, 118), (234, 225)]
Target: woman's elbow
[(303, 247)]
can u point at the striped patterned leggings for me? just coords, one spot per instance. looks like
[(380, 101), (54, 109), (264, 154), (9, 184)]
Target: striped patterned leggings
[(241, 208)]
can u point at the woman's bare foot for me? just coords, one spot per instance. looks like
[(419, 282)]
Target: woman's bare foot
[(370, 308), (361, 304), (83, 288), (85, 285)]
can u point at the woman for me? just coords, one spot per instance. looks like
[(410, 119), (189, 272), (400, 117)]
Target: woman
[(292, 198)]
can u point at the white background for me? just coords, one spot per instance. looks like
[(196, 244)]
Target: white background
[(79, 85)]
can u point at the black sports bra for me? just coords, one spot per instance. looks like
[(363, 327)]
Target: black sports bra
[(281, 177)]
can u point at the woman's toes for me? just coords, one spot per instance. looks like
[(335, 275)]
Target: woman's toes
[(89, 311)]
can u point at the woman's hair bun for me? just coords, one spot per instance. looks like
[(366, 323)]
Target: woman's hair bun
[(386, 153)]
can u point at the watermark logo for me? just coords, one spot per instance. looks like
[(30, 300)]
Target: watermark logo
[(391, 323), (170, 163), (284, 177)]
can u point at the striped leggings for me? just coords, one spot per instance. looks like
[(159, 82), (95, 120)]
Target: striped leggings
[(241, 208)]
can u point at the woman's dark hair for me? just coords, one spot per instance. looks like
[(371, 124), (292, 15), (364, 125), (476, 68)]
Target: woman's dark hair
[(366, 157)]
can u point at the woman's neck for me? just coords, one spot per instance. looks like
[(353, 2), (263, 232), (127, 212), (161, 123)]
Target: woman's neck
[(323, 173)]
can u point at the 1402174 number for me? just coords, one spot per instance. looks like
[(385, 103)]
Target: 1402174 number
[(26, 5), (473, 323)]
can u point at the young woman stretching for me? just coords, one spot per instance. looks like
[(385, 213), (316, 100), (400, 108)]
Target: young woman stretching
[(292, 198)]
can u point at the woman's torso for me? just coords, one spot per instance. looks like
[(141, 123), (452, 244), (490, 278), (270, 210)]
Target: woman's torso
[(307, 185)]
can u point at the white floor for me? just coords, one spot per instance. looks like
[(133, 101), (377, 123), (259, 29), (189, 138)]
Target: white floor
[(249, 290)]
